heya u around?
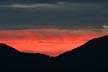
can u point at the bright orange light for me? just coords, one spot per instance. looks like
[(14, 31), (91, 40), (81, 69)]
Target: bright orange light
[(49, 42)]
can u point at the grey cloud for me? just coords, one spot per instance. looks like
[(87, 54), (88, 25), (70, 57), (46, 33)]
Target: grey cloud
[(44, 1), (55, 15), (60, 5)]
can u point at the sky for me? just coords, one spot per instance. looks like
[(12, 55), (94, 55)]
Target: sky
[(51, 27), (44, 1)]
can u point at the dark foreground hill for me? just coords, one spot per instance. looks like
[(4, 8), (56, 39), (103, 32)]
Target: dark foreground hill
[(90, 57), (14, 61)]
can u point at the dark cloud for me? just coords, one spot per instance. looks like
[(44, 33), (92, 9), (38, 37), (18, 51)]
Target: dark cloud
[(43, 1), (57, 15)]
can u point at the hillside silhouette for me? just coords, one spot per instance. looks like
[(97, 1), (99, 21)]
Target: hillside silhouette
[(90, 57), (14, 61)]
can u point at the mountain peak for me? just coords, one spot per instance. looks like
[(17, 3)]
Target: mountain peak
[(4, 49), (3, 45), (99, 42), (103, 37), (94, 45), (92, 56)]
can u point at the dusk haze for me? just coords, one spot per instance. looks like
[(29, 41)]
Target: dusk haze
[(67, 34)]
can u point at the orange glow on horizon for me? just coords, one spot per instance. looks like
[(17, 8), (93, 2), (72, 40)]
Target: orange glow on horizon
[(49, 42)]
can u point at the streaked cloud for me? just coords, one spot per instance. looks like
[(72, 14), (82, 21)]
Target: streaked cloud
[(36, 5), (51, 33), (52, 15), (52, 5), (63, 15)]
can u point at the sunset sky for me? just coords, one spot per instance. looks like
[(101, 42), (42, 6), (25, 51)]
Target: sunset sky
[(51, 27)]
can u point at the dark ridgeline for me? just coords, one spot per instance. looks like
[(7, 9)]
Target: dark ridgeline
[(14, 61), (90, 57)]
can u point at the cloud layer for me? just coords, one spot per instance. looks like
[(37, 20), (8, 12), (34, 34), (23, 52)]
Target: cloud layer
[(53, 15), (53, 5), (51, 33), (44, 1)]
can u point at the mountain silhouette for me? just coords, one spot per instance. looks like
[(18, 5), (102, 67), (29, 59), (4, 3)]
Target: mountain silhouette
[(5, 49), (90, 57), (15, 61)]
